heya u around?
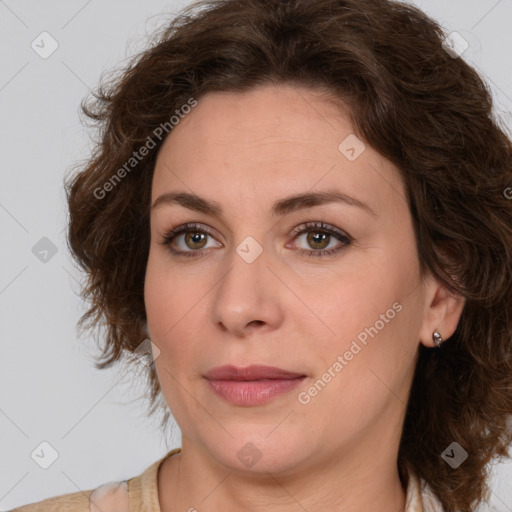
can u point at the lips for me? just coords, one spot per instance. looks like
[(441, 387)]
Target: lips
[(252, 385), (252, 373)]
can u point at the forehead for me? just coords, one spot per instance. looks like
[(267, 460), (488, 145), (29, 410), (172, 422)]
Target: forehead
[(266, 118), (272, 139)]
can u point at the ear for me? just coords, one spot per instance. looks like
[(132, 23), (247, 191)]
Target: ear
[(442, 311)]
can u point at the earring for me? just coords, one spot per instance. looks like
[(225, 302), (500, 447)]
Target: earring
[(436, 336)]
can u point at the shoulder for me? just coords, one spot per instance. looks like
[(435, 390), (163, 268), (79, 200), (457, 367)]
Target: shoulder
[(141, 492), (420, 497), (110, 497), (431, 502)]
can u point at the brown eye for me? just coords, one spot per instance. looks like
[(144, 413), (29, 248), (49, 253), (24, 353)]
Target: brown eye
[(318, 239), (195, 239), (189, 240)]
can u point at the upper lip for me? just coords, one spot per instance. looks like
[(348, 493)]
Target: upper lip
[(253, 372)]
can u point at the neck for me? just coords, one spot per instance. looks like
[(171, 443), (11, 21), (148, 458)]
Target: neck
[(191, 481)]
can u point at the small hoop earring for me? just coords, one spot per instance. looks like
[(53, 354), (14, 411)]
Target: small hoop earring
[(436, 336)]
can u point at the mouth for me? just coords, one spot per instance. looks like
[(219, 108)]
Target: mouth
[(251, 385)]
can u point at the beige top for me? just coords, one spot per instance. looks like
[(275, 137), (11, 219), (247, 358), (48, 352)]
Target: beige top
[(140, 494)]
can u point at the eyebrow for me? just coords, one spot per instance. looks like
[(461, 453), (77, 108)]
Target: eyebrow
[(280, 207)]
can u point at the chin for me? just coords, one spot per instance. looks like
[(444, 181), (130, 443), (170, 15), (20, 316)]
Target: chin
[(255, 452)]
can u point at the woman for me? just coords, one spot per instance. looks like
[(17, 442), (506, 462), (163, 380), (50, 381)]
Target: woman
[(299, 209)]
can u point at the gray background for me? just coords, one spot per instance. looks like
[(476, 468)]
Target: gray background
[(49, 389)]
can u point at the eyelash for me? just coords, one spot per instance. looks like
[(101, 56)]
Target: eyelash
[(299, 230)]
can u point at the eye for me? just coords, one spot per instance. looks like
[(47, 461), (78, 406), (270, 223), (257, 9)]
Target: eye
[(189, 238), (325, 240)]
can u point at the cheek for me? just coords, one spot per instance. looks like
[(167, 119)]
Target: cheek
[(358, 381), (355, 297), (167, 304), (371, 317), (157, 298), (168, 300), (176, 315)]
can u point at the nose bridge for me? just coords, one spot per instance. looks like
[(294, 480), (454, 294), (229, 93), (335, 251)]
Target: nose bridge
[(247, 293)]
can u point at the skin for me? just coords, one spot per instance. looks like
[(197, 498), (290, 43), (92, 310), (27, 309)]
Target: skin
[(339, 451)]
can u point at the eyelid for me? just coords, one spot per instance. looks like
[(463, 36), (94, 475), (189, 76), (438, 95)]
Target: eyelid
[(305, 226)]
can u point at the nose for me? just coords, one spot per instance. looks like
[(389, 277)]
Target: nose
[(248, 298)]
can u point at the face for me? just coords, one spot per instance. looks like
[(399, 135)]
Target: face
[(327, 287)]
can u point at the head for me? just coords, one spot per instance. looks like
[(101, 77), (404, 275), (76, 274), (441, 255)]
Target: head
[(246, 106), (274, 280)]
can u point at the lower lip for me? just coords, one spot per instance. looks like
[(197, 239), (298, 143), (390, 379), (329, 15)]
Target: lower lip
[(253, 392)]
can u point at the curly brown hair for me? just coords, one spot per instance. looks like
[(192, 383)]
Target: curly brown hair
[(417, 104)]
